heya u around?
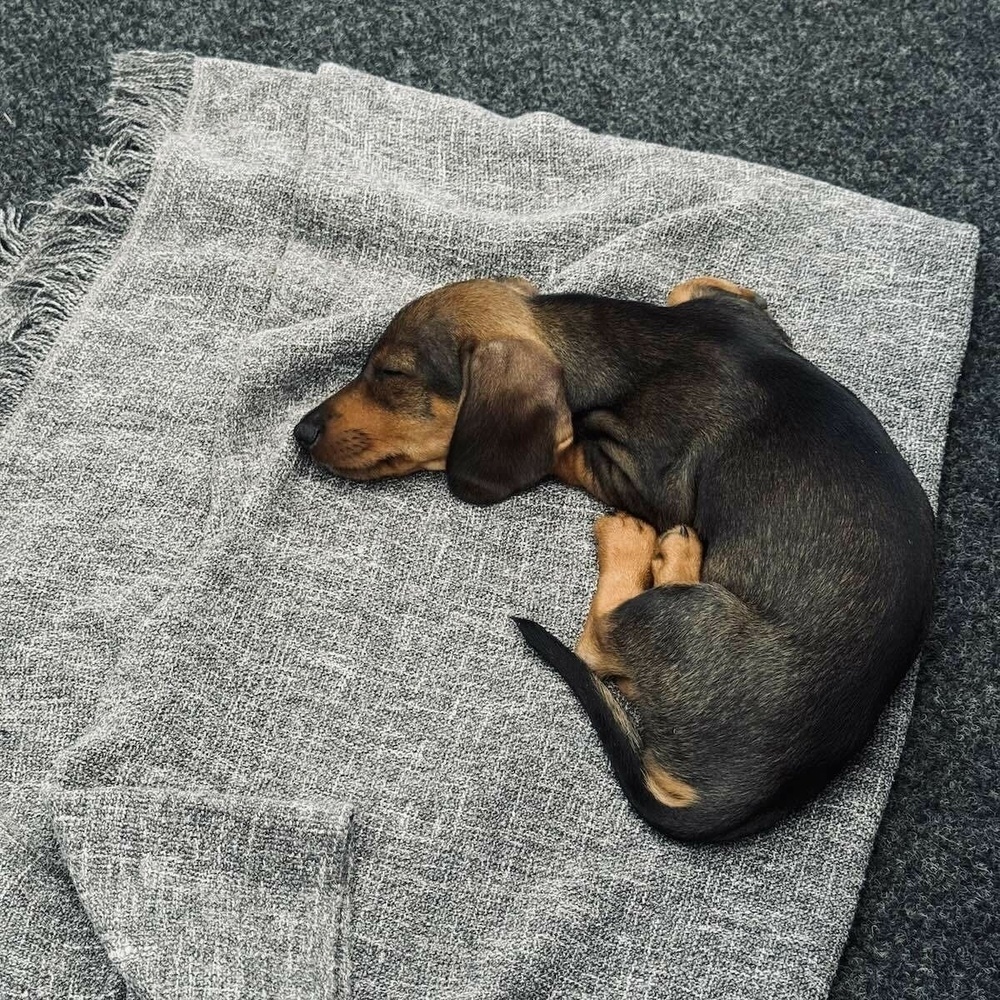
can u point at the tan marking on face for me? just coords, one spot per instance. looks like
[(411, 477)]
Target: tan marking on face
[(665, 787), (365, 440), (697, 288)]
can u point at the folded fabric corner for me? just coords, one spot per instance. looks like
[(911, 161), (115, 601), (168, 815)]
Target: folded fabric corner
[(196, 894)]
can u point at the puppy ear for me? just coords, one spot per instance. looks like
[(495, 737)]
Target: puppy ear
[(513, 414)]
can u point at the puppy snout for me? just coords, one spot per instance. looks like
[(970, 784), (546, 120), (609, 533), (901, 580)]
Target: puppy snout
[(308, 429)]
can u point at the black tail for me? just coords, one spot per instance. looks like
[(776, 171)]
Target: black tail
[(705, 820), (617, 733)]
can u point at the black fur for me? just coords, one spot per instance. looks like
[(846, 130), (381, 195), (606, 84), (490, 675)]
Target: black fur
[(759, 683), (622, 751)]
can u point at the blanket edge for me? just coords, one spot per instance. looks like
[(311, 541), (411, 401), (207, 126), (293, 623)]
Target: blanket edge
[(52, 251)]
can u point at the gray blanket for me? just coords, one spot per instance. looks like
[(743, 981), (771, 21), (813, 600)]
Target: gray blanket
[(267, 733)]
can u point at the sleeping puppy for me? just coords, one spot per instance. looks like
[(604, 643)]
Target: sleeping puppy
[(769, 579)]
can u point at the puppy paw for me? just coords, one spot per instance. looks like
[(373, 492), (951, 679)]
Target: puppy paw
[(677, 556), (624, 542)]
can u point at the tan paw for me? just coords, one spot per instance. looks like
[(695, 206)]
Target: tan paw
[(677, 558), (623, 542)]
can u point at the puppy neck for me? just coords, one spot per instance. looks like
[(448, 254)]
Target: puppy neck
[(604, 345)]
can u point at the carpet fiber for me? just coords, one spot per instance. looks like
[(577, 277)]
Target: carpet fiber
[(894, 103)]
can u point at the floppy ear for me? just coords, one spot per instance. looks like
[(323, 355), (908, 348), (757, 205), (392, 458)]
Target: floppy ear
[(513, 414)]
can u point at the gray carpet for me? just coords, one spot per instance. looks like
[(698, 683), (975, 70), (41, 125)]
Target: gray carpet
[(894, 103)]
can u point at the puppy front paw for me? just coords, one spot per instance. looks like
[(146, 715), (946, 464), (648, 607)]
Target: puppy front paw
[(677, 557), (623, 542)]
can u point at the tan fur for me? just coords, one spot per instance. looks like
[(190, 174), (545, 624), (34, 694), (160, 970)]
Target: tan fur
[(572, 469), (363, 440), (678, 557), (630, 559), (625, 723), (696, 288), (625, 548), (666, 787), (366, 441), (480, 309)]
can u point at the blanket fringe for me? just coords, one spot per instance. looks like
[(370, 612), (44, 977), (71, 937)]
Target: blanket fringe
[(49, 260), (13, 243)]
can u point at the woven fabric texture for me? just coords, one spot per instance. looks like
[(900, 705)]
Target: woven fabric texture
[(272, 732)]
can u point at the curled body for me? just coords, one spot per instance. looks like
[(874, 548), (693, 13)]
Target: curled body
[(768, 577)]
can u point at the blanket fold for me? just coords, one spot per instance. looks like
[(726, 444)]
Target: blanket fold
[(260, 720), (198, 895)]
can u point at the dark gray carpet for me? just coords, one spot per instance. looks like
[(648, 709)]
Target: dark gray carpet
[(895, 102)]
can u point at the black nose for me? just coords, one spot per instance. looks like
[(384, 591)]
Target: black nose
[(307, 429)]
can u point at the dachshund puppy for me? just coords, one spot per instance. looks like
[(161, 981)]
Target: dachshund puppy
[(769, 580)]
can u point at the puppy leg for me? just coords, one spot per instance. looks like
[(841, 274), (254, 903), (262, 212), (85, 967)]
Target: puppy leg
[(678, 557), (625, 550), (697, 288), (572, 469)]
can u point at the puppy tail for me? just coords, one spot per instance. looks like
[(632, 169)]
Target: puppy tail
[(617, 732)]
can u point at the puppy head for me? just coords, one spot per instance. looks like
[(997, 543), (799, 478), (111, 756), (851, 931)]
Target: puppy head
[(461, 381)]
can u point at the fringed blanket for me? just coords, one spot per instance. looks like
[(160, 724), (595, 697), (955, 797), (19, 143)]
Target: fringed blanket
[(268, 733)]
